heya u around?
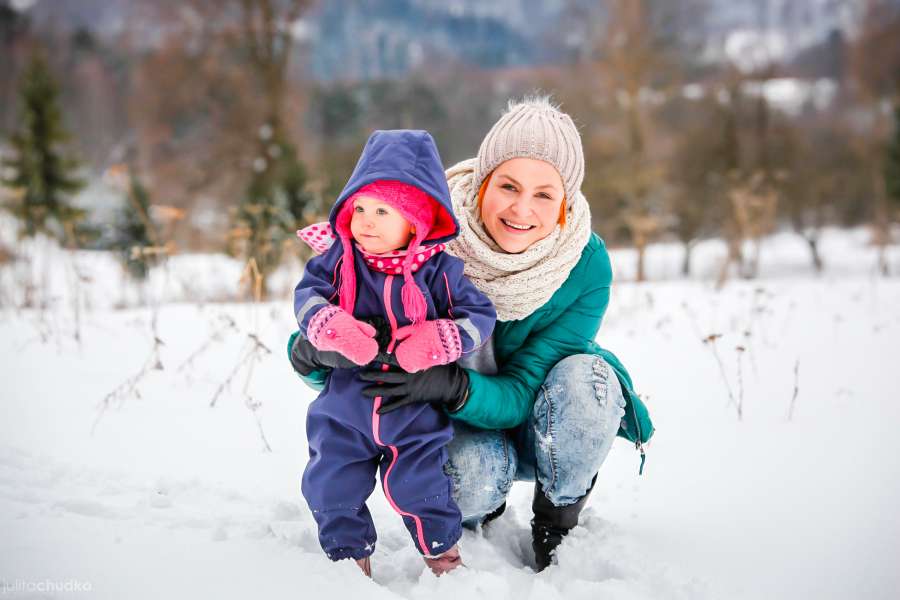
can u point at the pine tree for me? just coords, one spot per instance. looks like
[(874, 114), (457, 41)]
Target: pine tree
[(41, 174), (135, 231), (273, 205)]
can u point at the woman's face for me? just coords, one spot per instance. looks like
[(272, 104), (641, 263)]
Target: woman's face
[(521, 203)]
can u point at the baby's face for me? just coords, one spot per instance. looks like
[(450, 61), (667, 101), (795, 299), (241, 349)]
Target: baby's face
[(377, 226)]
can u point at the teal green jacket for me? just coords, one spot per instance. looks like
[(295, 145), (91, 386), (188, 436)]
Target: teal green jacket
[(526, 350)]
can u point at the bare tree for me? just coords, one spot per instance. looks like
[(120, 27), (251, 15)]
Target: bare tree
[(698, 170), (755, 204), (874, 72), (632, 58)]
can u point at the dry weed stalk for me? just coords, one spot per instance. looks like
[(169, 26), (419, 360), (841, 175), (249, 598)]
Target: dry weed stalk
[(129, 387), (253, 352), (790, 414), (252, 279), (216, 336), (740, 377), (710, 342)]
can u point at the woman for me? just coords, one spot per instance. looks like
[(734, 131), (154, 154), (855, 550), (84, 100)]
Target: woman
[(540, 401)]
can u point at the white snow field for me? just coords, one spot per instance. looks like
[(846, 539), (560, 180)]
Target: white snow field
[(158, 494)]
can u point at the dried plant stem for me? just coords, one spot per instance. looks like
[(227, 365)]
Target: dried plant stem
[(215, 336), (76, 290), (245, 358), (129, 386), (248, 399), (251, 278), (254, 352), (262, 434), (692, 318), (710, 341), (740, 377), (796, 389)]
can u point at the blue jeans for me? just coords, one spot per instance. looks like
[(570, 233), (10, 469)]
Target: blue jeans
[(566, 438)]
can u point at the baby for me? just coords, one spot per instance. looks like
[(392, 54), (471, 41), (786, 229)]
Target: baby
[(386, 264)]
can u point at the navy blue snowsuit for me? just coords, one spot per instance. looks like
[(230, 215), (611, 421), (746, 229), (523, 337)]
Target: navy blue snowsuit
[(348, 440)]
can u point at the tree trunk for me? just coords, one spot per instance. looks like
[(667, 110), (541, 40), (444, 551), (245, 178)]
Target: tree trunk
[(735, 256), (813, 243), (686, 262), (641, 248), (881, 224), (882, 261), (751, 265)]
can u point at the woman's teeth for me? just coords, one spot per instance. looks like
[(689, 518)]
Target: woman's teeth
[(517, 226)]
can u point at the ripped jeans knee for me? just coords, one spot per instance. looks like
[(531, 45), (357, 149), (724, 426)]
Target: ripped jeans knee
[(575, 420), (481, 465)]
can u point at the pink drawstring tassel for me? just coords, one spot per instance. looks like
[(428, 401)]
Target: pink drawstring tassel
[(413, 300)]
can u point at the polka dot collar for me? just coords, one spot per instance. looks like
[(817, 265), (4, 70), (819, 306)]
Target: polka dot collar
[(392, 262), (320, 237)]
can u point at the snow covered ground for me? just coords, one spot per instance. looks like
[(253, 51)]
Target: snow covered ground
[(161, 495)]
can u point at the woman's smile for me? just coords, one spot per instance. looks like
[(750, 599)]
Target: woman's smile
[(516, 227)]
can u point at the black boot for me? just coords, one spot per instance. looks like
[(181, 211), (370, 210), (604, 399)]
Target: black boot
[(551, 523)]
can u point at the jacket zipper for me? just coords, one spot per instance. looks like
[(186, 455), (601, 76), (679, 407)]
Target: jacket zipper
[(392, 320), (638, 445)]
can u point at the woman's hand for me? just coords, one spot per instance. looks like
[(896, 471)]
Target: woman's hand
[(444, 386), (306, 358)]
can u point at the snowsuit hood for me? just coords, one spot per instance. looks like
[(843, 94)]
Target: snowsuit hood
[(409, 156)]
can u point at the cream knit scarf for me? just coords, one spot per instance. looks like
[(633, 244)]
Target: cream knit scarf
[(517, 284)]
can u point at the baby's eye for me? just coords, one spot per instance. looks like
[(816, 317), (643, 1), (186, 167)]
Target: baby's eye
[(359, 209), (381, 211)]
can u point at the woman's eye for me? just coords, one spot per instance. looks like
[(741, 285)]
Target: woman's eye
[(508, 186), (545, 196)]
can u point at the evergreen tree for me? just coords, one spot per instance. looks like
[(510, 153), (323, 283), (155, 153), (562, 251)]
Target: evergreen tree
[(40, 173), (135, 231), (293, 179), (273, 205)]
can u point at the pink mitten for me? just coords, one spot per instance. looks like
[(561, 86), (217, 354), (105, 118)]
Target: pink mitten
[(427, 344), (333, 328)]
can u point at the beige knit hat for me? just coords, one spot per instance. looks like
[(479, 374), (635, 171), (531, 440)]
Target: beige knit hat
[(534, 128)]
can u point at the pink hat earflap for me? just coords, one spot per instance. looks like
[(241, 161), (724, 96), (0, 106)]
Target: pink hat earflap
[(347, 290)]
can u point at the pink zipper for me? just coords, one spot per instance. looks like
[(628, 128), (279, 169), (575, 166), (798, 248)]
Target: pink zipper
[(376, 422)]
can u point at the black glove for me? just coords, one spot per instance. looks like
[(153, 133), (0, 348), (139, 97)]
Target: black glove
[(443, 385), (382, 331), (306, 358)]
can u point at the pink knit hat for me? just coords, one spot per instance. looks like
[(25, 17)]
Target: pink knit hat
[(417, 207)]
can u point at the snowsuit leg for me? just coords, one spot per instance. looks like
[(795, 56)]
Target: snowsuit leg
[(414, 441), (348, 440), (340, 475)]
